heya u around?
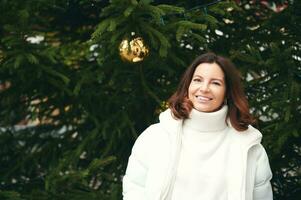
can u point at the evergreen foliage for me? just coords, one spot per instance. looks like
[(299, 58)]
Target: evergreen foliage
[(71, 109)]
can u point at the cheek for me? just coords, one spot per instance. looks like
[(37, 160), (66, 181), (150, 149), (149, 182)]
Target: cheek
[(190, 90), (220, 94), (223, 93)]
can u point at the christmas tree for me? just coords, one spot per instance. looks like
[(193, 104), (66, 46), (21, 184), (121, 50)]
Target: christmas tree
[(80, 80)]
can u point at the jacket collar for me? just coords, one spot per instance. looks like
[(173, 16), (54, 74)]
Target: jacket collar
[(169, 122)]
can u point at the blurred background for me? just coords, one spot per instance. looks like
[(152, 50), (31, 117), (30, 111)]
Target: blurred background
[(81, 79)]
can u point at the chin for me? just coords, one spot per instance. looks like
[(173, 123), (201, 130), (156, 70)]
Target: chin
[(206, 109), (203, 109)]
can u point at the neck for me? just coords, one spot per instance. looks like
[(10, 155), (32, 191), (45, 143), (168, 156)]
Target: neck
[(207, 121)]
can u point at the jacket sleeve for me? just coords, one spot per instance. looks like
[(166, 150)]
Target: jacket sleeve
[(262, 188), (136, 173)]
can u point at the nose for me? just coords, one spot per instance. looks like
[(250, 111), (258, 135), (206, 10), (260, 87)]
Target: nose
[(204, 87)]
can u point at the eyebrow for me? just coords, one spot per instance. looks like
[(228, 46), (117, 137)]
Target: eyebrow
[(216, 79)]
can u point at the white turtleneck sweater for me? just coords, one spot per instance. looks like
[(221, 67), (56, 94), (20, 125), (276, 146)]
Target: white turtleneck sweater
[(203, 159)]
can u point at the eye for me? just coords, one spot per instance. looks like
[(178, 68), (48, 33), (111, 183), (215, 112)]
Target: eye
[(197, 80), (216, 83)]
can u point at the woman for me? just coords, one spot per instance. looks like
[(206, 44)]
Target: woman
[(204, 146)]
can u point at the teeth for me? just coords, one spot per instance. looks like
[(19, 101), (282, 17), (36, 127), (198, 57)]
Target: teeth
[(203, 98)]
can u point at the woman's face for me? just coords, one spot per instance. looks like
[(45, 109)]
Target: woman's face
[(207, 88)]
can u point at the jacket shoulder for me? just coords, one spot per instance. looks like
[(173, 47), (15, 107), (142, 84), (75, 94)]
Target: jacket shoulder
[(247, 137), (151, 132), (149, 137)]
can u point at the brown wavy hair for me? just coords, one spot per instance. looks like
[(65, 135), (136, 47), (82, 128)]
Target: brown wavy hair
[(238, 106)]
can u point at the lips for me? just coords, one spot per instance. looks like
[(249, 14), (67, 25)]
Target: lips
[(203, 98)]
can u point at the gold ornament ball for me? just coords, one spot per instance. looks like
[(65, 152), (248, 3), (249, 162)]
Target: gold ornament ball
[(134, 50)]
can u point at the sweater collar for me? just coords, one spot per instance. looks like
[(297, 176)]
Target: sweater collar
[(207, 121)]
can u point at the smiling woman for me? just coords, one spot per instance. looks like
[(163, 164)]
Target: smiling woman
[(209, 70), (207, 88), (204, 146)]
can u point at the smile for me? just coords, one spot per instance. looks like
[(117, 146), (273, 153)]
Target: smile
[(203, 98)]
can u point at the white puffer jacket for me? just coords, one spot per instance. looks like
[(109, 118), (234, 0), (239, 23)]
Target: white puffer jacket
[(154, 157)]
